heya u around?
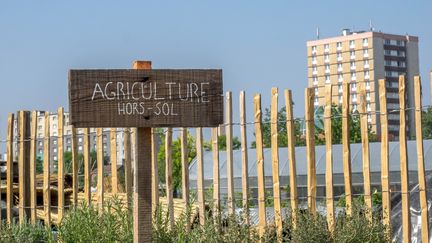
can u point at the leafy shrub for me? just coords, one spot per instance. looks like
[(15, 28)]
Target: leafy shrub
[(357, 228), (25, 232), (86, 224), (216, 229)]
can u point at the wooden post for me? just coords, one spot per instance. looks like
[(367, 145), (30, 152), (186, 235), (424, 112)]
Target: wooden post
[(346, 147), (9, 167), (169, 176), (100, 168), (406, 224), (185, 170), (275, 161), (155, 171), (200, 175), (229, 151), (291, 155), (60, 163), (310, 149), (74, 166), (46, 172), (385, 180), (185, 164), (365, 152), (128, 166), (420, 160), (113, 149), (87, 176), (245, 166), (33, 167), (143, 170), (260, 164), (216, 173), (23, 164), (329, 157)]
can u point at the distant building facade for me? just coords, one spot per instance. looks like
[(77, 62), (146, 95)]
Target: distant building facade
[(356, 57), (68, 138)]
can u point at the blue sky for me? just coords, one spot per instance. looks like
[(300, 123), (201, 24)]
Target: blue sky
[(258, 44)]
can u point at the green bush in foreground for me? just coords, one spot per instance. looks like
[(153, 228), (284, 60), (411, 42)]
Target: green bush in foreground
[(86, 224), (24, 232)]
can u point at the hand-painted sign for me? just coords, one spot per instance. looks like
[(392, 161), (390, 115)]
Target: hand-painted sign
[(146, 98)]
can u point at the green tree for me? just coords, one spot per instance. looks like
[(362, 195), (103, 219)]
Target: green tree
[(354, 126), (222, 143), (427, 123), (299, 124), (176, 158)]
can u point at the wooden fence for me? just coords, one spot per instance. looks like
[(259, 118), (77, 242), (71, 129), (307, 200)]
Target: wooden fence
[(56, 198)]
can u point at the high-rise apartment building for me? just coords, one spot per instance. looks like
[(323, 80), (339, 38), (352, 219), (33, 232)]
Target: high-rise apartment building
[(365, 57)]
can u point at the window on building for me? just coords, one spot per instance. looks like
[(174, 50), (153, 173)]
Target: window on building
[(314, 48), (365, 41), (326, 47), (352, 43), (365, 52), (326, 57), (68, 140), (339, 55), (366, 74), (340, 77), (55, 157), (55, 150), (387, 42), (366, 63), (339, 66), (327, 67), (54, 126), (367, 84), (327, 79), (80, 148), (314, 59), (80, 140), (352, 54), (354, 107), (54, 118), (352, 64), (55, 142), (68, 148), (40, 151), (316, 91), (315, 79), (339, 45), (314, 68)]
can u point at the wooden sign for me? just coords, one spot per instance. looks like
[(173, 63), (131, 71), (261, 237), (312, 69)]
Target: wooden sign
[(146, 98)]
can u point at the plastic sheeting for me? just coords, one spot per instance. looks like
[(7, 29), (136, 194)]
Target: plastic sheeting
[(396, 217)]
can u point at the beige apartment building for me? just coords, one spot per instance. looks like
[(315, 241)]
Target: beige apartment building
[(67, 138), (362, 58)]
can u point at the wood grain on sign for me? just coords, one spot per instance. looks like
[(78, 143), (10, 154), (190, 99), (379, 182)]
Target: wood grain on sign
[(146, 98)]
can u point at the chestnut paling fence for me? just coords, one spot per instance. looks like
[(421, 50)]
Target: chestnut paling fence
[(46, 196)]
